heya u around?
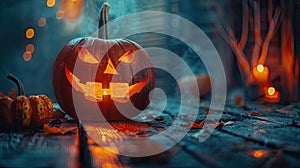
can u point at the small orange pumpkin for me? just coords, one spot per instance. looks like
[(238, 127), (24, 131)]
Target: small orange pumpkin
[(24, 112)]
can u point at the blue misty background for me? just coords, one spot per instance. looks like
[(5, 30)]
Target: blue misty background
[(36, 74)]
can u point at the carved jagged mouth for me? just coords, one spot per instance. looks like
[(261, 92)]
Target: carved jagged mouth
[(93, 91)]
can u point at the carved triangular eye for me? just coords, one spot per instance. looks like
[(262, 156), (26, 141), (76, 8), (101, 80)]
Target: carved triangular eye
[(86, 56), (110, 69), (128, 57)]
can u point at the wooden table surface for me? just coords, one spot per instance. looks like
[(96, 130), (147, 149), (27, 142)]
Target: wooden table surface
[(255, 135)]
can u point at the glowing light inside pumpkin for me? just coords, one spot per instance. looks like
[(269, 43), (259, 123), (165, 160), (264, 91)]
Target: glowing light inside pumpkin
[(128, 57), (29, 33), (93, 91), (60, 14), (119, 90), (42, 22), (86, 56), (137, 88), (30, 48), (110, 69), (50, 3), (105, 92)]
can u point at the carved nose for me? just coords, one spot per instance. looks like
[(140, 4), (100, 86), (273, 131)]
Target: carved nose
[(110, 69)]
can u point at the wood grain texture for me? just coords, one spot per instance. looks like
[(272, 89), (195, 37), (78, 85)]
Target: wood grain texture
[(37, 150), (259, 135)]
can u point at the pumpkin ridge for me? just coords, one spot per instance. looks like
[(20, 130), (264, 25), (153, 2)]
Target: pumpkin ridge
[(102, 87)]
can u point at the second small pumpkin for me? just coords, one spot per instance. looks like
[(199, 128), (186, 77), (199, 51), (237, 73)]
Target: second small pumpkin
[(25, 112), (33, 111)]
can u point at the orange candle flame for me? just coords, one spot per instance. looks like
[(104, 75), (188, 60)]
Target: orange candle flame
[(260, 68), (261, 74), (272, 95), (271, 91)]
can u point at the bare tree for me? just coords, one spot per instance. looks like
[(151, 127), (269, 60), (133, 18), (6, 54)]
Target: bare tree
[(261, 44)]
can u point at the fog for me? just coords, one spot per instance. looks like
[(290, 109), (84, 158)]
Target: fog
[(36, 74)]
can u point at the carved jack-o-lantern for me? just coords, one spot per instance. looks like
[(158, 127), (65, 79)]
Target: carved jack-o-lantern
[(100, 76)]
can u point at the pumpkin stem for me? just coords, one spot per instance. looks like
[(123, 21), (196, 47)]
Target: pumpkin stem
[(103, 21), (18, 83)]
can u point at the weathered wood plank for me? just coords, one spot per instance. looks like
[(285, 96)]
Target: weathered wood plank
[(262, 135), (37, 150), (34, 148), (112, 141)]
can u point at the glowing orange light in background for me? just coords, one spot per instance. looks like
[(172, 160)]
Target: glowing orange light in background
[(271, 95), (259, 153), (271, 91), (72, 9), (261, 74), (29, 33), (27, 56), (260, 68), (42, 22), (50, 3), (30, 48), (60, 14)]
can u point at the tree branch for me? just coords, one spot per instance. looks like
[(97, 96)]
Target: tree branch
[(238, 51), (270, 11), (257, 34), (257, 24), (236, 46), (245, 25), (269, 36)]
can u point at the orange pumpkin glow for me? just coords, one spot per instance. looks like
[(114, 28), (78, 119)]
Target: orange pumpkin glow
[(119, 61), (93, 91), (102, 89), (107, 74)]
